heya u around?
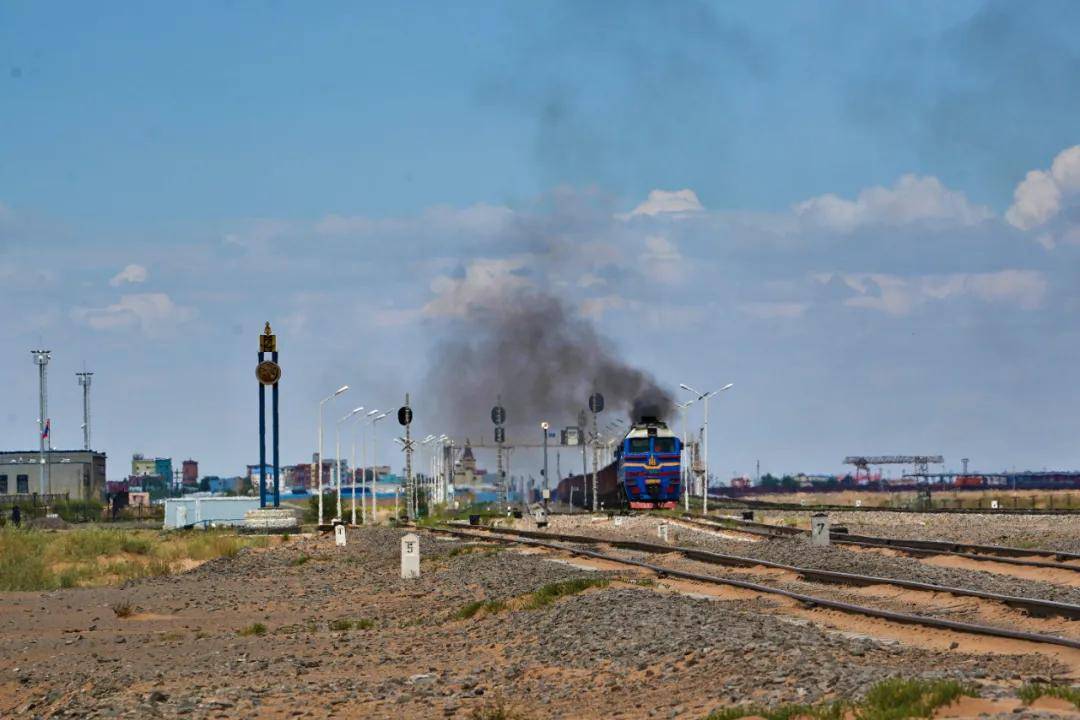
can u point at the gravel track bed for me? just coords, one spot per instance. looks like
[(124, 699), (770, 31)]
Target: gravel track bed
[(799, 552), (1047, 532), (620, 651)]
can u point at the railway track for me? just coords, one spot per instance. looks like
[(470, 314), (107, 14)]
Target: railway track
[(735, 504), (569, 543), (918, 548)]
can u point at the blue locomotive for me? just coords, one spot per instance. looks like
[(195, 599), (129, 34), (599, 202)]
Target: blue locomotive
[(648, 466)]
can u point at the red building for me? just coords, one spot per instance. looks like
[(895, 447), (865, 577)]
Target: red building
[(191, 472)]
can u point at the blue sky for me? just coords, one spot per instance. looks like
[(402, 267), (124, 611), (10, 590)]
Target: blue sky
[(171, 177)]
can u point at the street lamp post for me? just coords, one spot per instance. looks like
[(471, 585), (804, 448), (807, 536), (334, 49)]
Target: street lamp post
[(323, 402), (705, 397), (375, 464), (547, 488), (337, 457), (363, 462), (683, 456)]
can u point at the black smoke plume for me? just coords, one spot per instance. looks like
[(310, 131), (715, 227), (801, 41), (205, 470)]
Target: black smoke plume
[(543, 359)]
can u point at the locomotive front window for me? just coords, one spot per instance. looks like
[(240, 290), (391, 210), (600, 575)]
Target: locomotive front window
[(664, 445), (639, 445)]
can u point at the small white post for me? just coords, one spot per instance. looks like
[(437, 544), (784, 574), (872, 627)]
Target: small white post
[(819, 529), (410, 556), (662, 531), (339, 534)]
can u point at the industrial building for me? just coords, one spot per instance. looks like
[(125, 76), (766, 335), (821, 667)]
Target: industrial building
[(80, 474), (190, 472)]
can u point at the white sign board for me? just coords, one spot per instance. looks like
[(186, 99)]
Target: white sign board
[(993, 504), (858, 503), (339, 535), (410, 556)]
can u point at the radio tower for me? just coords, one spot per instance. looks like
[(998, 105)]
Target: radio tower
[(84, 380), (41, 358)]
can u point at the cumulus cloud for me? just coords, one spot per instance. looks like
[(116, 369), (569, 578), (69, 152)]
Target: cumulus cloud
[(1038, 197), (668, 202), (912, 199), (485, 284), (897, 295), (662, 259), (153, 314), (130, 274)]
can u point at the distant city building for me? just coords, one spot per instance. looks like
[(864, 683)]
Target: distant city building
[(78, 473), (191, 472), (143, 466), (221, 485), (297, 477), (466, 473)]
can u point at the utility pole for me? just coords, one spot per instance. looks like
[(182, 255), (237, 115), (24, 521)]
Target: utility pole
[(84, 380), (41, 358)]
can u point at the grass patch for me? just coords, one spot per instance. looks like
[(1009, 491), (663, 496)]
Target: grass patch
[(344, 624), (254, 629), (95, 556), (891, 699), (1033, 691), (551, 592), (488, 606), (299, 560)]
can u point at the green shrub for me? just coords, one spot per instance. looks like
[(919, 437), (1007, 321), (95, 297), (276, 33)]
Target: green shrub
[(1033, 691), (79, 511), (551, 592), (257, 629), (22, 560)]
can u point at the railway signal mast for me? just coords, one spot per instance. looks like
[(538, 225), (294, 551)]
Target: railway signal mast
[(498, 416), (405, 417), (596, 406)]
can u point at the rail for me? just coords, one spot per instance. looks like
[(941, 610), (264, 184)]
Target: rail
[(807, 600)]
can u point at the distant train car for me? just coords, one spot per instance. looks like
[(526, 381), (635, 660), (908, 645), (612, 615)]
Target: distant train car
[(645, 475), (648, 465)]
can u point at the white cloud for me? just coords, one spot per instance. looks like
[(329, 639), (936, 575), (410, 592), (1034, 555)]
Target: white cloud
[(667, 202), (130, 274), (153, 314), (1038, 197), (899, 296), (662, 259), (912, 199), (486, 284)]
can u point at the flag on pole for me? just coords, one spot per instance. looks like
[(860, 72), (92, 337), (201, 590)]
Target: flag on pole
[(45, 432)]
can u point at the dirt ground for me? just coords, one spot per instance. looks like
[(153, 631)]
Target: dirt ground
[(311, 630)]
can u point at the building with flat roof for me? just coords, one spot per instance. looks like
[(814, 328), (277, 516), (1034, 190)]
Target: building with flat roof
[(80, 474)]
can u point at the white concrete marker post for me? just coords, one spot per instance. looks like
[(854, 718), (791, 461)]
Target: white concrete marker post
[(339, 535), (410, 556), (993, 504), (662, 531), (819, 529)]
